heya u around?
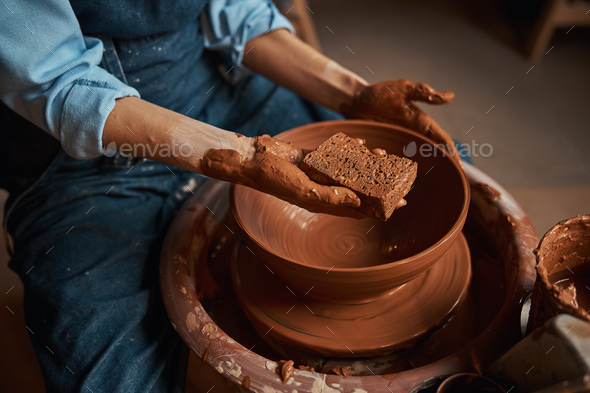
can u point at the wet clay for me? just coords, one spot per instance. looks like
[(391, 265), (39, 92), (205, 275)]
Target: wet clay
[(563, 272), (379, 152), (206, 353), (286, 369), (342, 371), (390, 102), (246, 382), (272, 170)]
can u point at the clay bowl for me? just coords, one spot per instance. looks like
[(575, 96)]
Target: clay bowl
[(563, 259), (348, 260), (495, 223)]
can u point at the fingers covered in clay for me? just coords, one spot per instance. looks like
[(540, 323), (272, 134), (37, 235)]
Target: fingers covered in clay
[(391, 102), (285, 150), (283, 179), (338, 196), (271, 170), (424, 93)]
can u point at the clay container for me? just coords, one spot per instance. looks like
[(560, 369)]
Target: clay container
[(347, 260), (563, 272)]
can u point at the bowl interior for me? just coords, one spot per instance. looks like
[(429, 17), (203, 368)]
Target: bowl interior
[(434, 207)]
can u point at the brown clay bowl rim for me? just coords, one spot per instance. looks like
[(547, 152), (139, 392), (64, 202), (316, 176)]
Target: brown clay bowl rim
[(368, 269)]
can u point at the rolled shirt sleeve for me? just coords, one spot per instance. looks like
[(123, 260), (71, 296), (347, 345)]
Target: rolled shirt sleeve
[(228, 24), (49, 74)]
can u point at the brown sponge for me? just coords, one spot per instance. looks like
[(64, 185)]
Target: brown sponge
[(379, 181)]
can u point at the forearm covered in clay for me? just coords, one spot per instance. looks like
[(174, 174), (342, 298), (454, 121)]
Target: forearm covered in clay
[(146, 130)]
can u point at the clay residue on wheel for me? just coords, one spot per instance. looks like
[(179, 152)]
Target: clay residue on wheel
[(206, 352), (246, 382), (191, 322), (342, 371), (286, 369)]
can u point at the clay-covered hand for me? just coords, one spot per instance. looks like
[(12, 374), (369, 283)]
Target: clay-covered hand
[(391, 102), (272, 169)]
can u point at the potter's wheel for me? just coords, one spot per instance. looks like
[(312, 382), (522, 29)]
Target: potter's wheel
[(394, 321), (197, 292)]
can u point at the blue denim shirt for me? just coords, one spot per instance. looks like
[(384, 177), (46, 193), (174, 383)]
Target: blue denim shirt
[(49, 63)]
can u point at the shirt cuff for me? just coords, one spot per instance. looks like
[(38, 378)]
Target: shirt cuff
[(86, 108), (229, 24)]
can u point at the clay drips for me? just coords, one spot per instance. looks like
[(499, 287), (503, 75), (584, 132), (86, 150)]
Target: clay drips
[(206, 353), (246, 382), (286, 369), (379, 152), (342, 371), (391, 102)]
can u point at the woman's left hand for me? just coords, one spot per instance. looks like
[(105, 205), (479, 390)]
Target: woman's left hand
[(391, 102)]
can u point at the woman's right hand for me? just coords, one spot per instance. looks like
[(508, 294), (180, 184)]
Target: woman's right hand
[(272, 169)]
